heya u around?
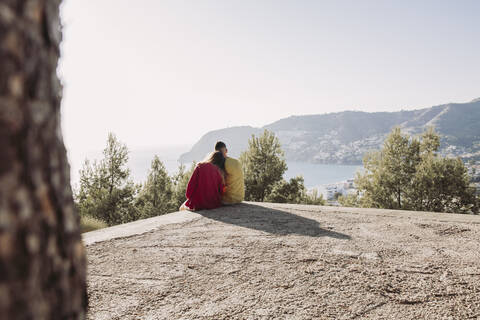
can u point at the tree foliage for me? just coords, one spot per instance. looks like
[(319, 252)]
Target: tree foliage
[(349, 200), (313, 197), (263, 165), (287, 192), (180, 182), (443, 185), (407, 173), (106, 190), (156, 194), (294, 191)]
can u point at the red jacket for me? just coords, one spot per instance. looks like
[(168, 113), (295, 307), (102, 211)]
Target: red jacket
[(204, 190)]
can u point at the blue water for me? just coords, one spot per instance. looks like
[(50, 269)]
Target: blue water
[(320, 174), (315, 175)]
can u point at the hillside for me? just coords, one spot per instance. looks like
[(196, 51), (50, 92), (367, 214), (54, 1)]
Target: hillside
[(343, 137)]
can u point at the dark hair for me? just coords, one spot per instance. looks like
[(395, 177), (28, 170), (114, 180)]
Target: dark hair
[(219, 145), (216, 158)]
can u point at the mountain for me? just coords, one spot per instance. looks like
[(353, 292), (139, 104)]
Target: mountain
[(344, 137), (236, 139)]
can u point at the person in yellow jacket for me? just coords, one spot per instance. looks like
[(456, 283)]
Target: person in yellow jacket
[(234, 184)]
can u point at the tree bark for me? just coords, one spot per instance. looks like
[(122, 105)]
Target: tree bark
[(42, 258)]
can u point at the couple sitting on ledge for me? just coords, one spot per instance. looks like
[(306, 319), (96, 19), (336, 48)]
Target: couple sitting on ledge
[(216, 181)]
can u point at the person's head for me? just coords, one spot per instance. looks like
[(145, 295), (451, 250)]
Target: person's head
[(222, 147), (216, 158)]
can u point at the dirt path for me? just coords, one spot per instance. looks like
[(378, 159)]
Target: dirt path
[(261, 261)]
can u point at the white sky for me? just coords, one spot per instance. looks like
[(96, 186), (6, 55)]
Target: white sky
[(161, 73)]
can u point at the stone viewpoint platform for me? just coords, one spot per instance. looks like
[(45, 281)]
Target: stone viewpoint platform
[(272, 261)]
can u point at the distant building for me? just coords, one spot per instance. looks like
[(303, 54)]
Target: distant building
[(331, 191), (350, 184), (344, 188)]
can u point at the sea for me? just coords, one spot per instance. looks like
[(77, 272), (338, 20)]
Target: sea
[(320, 175), (316, 176)]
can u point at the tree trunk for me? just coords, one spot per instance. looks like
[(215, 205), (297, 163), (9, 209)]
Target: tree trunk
[(399, 201), (42, 258)]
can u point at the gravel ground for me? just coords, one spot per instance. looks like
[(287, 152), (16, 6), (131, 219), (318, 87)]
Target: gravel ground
[(270, 261)]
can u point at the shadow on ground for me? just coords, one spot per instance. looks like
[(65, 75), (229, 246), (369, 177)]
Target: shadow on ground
[(270, 220)]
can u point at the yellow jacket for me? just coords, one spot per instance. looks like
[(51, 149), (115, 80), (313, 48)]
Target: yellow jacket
[(235, 188)]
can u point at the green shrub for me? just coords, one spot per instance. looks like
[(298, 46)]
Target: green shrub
[(90, 224)]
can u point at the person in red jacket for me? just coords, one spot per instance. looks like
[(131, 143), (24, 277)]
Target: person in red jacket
[(206, 185)]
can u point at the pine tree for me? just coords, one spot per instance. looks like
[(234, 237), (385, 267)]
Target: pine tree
[(313, 197), (114, 164), (293, 191), (156, 195), (442, 185), (407, 173), (263, 165), (180, 182), (106, 191)]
